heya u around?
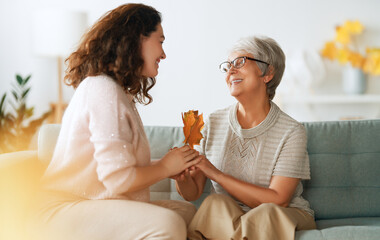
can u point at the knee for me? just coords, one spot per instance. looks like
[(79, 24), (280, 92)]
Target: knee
[(172, 225), (190, 208), (187, 211), (263, 211), (267, 207), (217, 203), (217, 199)]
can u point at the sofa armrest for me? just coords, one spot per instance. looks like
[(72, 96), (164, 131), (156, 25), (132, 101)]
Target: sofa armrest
[(13, 159), (20, 173), (47, 139)]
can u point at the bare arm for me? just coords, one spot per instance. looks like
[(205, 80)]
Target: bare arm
[(280, 190)]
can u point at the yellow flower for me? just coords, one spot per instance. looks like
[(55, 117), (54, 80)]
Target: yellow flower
[(343, 55), (330, 51), (356, 59), (372, 63), (342, 35), (353, 27), (373, 50), (344, 49)]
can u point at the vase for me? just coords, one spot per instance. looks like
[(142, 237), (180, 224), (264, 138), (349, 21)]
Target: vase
[(354, 80)]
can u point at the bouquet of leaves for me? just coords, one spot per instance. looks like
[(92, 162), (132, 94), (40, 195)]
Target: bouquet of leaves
[(193, 124)]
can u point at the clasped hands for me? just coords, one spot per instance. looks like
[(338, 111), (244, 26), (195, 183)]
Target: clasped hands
[(189, 162)]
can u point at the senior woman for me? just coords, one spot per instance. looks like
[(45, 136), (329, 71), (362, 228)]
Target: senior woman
[(254, 154)]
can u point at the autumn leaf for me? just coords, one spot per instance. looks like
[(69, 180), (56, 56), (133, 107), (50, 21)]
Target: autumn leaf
[(193, 124)]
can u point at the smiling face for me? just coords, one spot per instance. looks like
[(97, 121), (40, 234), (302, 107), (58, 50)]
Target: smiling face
[(245, 81), (152, 52)]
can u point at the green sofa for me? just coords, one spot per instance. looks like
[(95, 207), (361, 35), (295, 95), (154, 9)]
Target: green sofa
[(344, 190)]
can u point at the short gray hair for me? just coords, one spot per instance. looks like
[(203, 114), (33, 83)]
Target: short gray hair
[(265, 49)]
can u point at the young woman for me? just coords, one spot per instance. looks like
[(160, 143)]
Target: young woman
[(253, 153), (97, 184)]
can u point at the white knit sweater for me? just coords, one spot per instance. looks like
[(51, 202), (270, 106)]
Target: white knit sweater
[(277, 146), (101, 140)]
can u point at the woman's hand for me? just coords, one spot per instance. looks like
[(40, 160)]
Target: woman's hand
[(174, 162), (186, 174), (207, 168), (190, 183), (177, 160)]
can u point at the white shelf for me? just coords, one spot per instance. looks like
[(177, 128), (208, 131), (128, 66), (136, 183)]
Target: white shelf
[(332, 99), (331, 107)]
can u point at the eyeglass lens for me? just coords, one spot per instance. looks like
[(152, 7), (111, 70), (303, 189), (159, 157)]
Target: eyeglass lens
[(237, 63)]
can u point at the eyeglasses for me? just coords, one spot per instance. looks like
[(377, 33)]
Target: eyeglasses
[(237, 63)]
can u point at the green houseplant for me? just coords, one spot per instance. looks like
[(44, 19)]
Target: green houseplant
[(17, 125)]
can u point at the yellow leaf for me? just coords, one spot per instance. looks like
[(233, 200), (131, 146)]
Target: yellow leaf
[(353, 27), (356, 59), (330, 51), (373, 51), (193, 124), (343, 55), (372, 64), (342, 36)]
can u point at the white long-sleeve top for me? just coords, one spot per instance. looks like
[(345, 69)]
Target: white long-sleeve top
[(101, 141)]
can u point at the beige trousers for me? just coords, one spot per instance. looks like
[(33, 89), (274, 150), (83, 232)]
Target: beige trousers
[(220, 217), (79, 219)]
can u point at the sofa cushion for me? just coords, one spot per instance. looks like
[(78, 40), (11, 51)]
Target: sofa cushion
[(20, 173), (364, 221), (345, 163), (162, 138), (47, 139), (340, 233)]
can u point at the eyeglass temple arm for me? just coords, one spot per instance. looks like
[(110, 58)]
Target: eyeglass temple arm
[(257, 60)]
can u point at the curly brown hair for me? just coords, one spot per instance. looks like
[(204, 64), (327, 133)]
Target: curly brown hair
[(113, 47)]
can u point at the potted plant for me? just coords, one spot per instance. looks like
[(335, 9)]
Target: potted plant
[(17, 127)]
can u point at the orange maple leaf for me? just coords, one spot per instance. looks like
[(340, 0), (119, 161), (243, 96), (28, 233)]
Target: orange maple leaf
[(193, 124)]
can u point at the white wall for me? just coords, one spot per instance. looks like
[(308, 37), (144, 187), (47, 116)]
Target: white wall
[(199, 34)]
